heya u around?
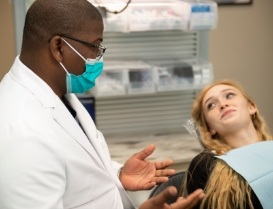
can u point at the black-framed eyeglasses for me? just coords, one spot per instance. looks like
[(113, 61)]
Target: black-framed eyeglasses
[(101, 49)]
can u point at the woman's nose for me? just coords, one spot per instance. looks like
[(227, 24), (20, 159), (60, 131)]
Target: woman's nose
[(223, 105)]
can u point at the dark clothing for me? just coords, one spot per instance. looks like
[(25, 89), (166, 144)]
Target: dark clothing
[(198, 173)]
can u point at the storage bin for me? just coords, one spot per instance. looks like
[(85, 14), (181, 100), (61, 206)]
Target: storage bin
[(204, 14), (175, 77), (203, 74), (112, 81), (182, 74), (158, 15), (141, 78), (116, 22), (146, 15)]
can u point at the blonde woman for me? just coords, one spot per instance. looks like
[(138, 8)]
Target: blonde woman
[(233, 134)]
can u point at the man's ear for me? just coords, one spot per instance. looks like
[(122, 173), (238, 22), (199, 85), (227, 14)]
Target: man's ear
[(56, 48)]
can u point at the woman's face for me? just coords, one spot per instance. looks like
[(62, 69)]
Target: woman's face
[(226, 109)]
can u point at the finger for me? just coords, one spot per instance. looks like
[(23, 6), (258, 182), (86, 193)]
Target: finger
[(191, 201), (162, 176), (160, 199), (195, 198), (165, 172), (160, 180), (143, 154), (163, 164)]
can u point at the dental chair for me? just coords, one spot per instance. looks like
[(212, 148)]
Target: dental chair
[(174, 180)]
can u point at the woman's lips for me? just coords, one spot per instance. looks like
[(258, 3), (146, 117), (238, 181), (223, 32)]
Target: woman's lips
[(226, 113)]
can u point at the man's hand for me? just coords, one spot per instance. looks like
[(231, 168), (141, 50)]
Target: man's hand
[(159, 201), (141, 174)]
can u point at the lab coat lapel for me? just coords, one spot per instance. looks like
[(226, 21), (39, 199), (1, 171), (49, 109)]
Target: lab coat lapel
[(92, 133), (60, 115), (87, 125)]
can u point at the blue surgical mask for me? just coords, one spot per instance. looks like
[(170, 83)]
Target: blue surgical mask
[(86, 81)]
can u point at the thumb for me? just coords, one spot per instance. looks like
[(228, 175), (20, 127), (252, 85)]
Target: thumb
[(143, 154)]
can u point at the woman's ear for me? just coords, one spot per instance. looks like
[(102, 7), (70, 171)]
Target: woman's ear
[(252, 109), (212, 131), (56, 48)]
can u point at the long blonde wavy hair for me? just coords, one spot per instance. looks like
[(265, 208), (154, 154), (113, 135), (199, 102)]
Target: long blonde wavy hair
[(225, 188)]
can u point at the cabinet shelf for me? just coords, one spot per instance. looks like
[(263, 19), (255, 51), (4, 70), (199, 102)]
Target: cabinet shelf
[(147, 15), (138, 77)]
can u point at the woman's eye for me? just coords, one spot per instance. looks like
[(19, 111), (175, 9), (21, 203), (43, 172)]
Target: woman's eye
[(230, 95), (211, 105)]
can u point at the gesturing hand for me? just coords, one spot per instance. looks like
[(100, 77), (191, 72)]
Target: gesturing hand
[(159, 201), (141, 174)]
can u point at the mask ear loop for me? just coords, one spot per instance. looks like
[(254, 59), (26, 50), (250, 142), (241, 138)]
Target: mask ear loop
[(64, 68), (74, 50)]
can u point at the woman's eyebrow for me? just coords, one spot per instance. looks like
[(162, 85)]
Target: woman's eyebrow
[(207, 100), (224, 90)]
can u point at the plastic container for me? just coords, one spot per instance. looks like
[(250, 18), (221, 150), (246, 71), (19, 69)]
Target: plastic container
[(203, 72), (116, 22), (182, 74), (113, 22), (146, 15), (112, 81), (141, 77), (175, 77), (204, 14), (157, 15)]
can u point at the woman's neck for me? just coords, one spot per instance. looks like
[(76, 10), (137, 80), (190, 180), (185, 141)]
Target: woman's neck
[(242, 137)]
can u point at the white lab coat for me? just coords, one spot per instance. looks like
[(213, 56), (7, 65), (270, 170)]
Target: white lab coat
[(46, 160)]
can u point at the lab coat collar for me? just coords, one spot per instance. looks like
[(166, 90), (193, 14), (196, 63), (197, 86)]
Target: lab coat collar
[(38, 87)]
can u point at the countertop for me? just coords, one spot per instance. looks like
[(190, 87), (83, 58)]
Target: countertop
[(180, 147)]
